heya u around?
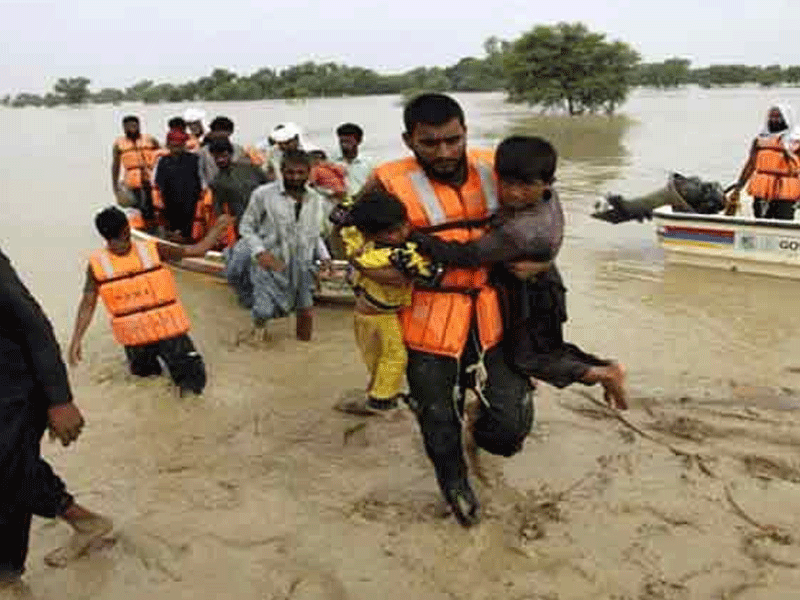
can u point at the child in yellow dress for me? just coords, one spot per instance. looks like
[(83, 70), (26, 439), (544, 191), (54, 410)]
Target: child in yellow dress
[(375, 237)]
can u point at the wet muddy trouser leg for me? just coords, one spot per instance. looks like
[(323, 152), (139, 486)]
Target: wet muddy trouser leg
[(504, 418), (186, 366), (29, 485)]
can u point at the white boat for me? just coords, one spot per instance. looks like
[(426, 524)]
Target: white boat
[(333, 289), (746, 244)]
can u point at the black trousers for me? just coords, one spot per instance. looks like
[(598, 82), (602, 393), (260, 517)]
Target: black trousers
[(437, 385), (180, 216), (143, 200), (185, 365), (29, 485), (777, 209)]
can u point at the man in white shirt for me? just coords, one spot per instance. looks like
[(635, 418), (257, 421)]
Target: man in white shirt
[(273, 265), (358, 168)]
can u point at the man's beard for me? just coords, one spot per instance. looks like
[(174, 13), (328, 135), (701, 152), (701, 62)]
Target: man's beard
[(132, 135), (456, 175), (776, 127), (294, 186)]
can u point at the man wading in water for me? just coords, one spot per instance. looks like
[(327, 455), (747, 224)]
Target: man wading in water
[(450, 328)]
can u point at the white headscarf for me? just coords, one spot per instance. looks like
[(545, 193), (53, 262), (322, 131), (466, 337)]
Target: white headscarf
[(193, 114), (791, 133)]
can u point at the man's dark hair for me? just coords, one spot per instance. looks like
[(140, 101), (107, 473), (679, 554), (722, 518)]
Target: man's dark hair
[(221, 124), (176, 123), (376, 212), (296, 157), (318, 154), (130, 119), (220, 145), (525, 159), (350, 129), (110, 222), (431, 109)]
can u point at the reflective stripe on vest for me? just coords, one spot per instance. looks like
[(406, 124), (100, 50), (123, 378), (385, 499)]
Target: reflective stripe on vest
[(488, 185), (438, 322), (427, 196), (140, 295), (141, 251), (433, 210)]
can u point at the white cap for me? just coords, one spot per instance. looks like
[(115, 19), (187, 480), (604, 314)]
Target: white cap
[(285, 132), (194, 114)]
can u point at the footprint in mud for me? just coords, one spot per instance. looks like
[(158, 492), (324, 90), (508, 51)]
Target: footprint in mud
[(313, 585), (660, 589), (763, 548), (685, 428), (762, 467), (400, 507), (155, 554)]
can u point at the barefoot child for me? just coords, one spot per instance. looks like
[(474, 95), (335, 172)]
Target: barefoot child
[(376, 238), (529, 226)]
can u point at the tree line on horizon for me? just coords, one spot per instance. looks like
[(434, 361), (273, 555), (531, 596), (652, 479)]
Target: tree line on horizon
[(561, 67)]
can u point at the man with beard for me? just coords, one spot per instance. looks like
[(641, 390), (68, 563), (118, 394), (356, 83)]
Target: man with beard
[(135, 153), (234, 181), (773, 168), (34, 395), (272, 267), (454, 327)]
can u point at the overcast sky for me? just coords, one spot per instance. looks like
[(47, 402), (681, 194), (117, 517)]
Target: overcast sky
[(118, 42)]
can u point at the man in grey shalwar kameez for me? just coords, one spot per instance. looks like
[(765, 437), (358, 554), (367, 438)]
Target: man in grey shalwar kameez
[(273, 265)]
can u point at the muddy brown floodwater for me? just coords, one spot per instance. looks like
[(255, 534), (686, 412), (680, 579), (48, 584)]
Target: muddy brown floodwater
[(258, 489)]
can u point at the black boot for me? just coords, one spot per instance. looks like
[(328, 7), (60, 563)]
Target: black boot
[(462, 501)]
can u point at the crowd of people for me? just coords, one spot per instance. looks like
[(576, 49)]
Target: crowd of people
[(453, 255)]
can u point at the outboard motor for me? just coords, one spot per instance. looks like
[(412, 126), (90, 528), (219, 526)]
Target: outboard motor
[(684, 194)]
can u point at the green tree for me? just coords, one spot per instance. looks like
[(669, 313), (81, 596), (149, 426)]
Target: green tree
[(770, 76), (792, 75), (72, 90), (26, 99), (137, 90), (568, 67), (108, 96), (671, 73)]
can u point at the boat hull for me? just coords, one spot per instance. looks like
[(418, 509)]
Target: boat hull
[(761, 246), (330, 290)]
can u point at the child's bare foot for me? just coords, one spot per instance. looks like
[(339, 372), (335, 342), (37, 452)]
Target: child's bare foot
[(613, 382), (88, 529)]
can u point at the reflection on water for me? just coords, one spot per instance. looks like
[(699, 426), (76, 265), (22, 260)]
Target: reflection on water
[(589, 139)]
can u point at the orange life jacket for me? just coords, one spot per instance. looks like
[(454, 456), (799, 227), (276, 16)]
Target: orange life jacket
[(229, 238), (139, 294), (438, 322), (135, 219), (138, 158), (256, 157), (777, 173)]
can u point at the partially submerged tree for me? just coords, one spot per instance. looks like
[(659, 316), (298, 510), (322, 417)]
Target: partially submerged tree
[(72, 90), (568, 67)]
